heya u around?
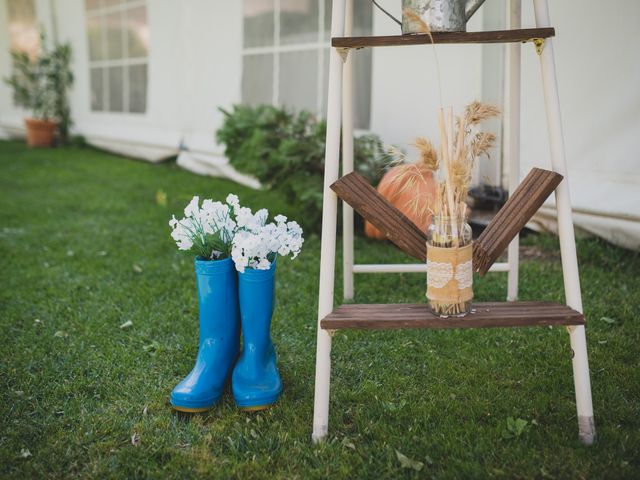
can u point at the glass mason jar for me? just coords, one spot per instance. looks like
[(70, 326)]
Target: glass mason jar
[(449, 266)]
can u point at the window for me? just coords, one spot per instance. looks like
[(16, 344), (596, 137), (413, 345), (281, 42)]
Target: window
[(286, 55), (23, 29), (118, 36)]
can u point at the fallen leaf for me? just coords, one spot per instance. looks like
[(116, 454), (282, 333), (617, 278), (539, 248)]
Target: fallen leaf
[(145, 411), (161, 198), (608, 320), (25, 453), (137, 268), (19, 393), (102, 253), (135, 439), (406, 462), (151, 347), (70, 253), (60, 334), (514, 428), (126, 324)]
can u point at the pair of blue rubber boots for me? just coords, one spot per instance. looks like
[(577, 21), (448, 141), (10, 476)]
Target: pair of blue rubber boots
[(229, 300)]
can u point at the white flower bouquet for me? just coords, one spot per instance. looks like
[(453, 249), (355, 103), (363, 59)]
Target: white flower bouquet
[(207, 231), (221, 230)]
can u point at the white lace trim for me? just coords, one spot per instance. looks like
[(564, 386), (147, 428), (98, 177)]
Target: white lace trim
[(440, 273), (464, 275)]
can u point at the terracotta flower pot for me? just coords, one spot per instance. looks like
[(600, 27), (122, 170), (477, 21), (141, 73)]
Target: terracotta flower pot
[(40, 133)]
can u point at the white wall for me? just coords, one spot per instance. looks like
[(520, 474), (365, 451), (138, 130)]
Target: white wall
[(405, 97)]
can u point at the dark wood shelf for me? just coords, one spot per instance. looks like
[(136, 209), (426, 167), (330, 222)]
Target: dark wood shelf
[(498, 36), (483, 315)]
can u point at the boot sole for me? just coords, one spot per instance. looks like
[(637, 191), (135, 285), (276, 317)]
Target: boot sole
[(257, 408), (260, 404), (190, 410)]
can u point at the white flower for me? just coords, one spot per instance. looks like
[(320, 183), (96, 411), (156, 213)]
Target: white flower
[(261, 216), (233, 200), (198, 230), (244, 217), (256, 244), (253, 242), (263, 264), (192, 210)]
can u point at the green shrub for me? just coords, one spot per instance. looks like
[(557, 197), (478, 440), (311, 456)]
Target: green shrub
[(285, 151)]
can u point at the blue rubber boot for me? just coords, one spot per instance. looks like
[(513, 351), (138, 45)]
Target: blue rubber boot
[(219, 337), (256, 382)]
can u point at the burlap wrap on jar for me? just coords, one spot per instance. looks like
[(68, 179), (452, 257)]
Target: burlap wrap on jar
[(450, 274)]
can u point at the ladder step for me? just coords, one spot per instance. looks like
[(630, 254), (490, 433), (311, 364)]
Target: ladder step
[(497, 36), (483, 315), (409, 267)]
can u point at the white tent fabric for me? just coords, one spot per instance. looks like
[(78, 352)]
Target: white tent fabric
[(598, 79), (198, 67)]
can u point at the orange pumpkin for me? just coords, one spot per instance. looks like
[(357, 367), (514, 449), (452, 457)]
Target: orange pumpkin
[(403, 196)]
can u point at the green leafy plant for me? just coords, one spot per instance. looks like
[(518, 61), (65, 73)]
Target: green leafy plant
[(284, 150), (41, 84), (514, 428)]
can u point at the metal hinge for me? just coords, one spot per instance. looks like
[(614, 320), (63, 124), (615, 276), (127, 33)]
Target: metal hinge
[(343, 52), (539, 44)]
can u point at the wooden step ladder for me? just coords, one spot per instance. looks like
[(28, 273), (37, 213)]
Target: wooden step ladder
[(505, 314)]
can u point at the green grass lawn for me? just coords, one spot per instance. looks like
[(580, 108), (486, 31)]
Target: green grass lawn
[(85, 248)]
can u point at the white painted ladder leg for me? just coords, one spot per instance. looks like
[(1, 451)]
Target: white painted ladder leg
[(586, 425), (512, 138), (329, 218), (347, 159)]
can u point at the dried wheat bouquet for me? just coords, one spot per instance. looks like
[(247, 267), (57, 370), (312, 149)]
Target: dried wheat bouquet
[(461, 144)]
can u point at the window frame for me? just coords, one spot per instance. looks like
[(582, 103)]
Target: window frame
[(34, 25), (125, 62), (320, 47)]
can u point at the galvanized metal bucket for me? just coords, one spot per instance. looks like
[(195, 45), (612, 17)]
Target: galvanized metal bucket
[(439, 15)]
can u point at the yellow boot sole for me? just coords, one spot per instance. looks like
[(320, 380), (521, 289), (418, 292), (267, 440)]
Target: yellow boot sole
[(190, 410), (257, 408)]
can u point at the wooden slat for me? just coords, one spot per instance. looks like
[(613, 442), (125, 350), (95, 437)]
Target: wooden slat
[(356, 191), (523, 203), (498, 36), (512, 217), (483, 315)]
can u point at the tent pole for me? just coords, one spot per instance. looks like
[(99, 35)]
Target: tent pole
[(512, 138), (329, 224), (347, 159), (586, 426)]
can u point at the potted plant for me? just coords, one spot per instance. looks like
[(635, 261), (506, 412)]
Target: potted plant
[(256, 382), (41, 85), (227, 237)]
